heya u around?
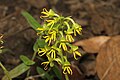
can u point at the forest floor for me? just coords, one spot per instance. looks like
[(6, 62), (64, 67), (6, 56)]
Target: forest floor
[(97, 18)]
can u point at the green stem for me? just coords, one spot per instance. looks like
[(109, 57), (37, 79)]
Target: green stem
[(68, 18), (61, 55), (28, 72), (5, 70), (67, 25), (66, 77), (33, 57), (61, 33)]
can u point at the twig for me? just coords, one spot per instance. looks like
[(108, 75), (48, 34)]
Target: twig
[(7, 17), (35, 76), (13, 34)]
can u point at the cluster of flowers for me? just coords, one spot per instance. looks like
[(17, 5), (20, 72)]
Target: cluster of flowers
[(58, 32)]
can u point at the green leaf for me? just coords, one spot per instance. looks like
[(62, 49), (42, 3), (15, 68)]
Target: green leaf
[(40, 43), (43, 73), (26, 60), (34, 24), (57, 72), (35, 46), (20, 69)]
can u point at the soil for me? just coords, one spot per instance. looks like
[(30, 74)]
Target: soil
[(97, 17)]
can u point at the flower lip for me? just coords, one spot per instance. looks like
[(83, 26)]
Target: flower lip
[(49, 13), (66, 68), (63, 45), (77, 29), (74, 51), (40, 29), (43, 51), (52, 52), (48, 39), (45, 12), (69, 38), (45, 64)]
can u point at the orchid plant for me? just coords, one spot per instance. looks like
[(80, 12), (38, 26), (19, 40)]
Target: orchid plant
[(55, 39)]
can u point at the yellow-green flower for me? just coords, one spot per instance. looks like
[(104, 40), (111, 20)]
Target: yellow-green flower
[(74, 51), (52, 53), (45, 64), (58, 60), (50, 23), (63, 44), (53, 34), (50, 61), (48, 39), (69, 37), (77, 29), (66, 68), (49, 13), (40, 30), (45, 12), (42, 51)]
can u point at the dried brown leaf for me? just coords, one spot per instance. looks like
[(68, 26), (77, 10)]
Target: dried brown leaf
[(92, 45), (108, 60)]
